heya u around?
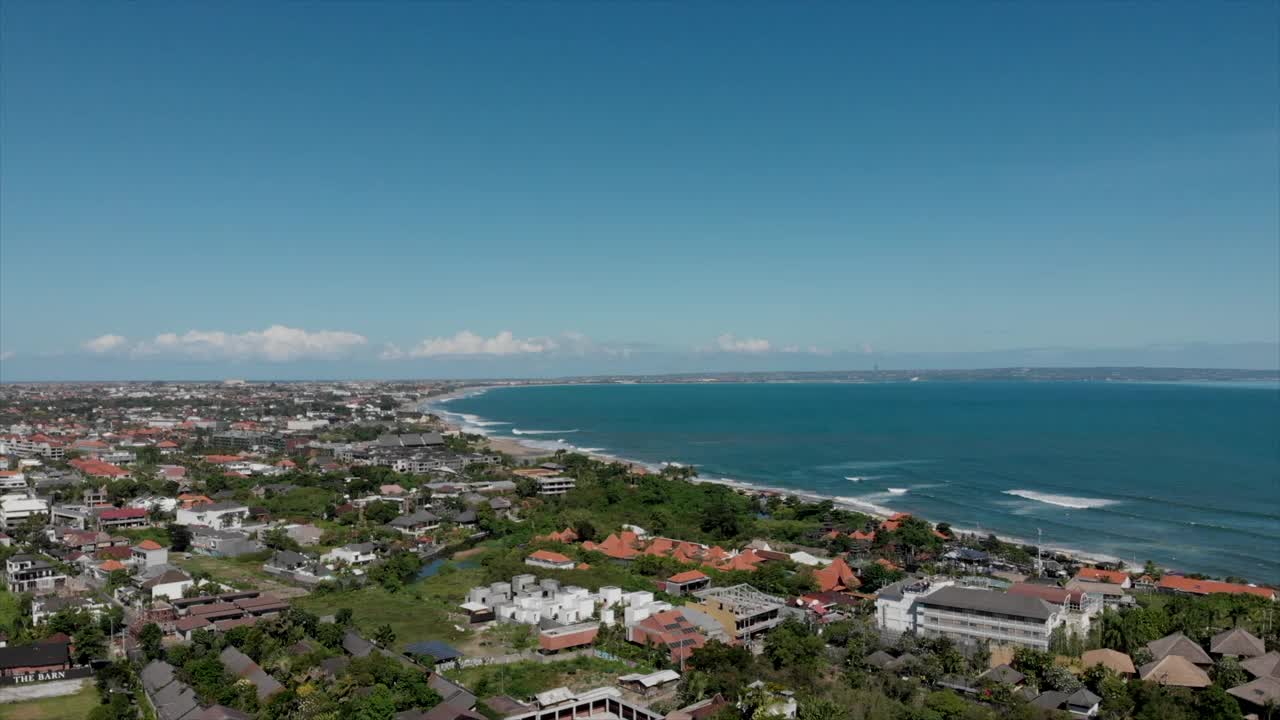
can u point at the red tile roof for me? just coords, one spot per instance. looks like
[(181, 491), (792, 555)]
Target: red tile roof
[(122, 513), (1178, 583), (548, 556), (150, 545), (836, 576), (687, 576), (1115, 577)]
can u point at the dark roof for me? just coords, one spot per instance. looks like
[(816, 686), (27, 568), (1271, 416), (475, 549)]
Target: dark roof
[(34, 655), (1003, 674), (356, 645), (436, 649), (878, 659), (156, 675), (415, 518), (986, 601), (1051, 700), (1083, 698), (451, 692), (169, 576)]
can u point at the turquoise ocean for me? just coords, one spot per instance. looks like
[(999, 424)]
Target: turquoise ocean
[(1187, 475)]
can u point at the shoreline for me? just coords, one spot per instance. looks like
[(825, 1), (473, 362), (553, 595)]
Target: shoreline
[(526, 449)]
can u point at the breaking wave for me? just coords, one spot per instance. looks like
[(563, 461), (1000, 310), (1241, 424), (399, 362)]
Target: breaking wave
[(1066, 501), (518, 431)]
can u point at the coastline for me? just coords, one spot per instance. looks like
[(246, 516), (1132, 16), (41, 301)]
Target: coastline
[(526, 449)]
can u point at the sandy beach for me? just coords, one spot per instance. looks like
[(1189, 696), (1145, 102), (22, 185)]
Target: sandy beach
[(521, 451)]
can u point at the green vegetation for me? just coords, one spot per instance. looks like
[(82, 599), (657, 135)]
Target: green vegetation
[(10, 610), (524, 679), (67, 707), (419, 611), (244, 572)]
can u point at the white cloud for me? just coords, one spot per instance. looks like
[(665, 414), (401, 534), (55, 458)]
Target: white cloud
[(104, 344), (469, 343), (728, 343), (277, 343), (6, 354)]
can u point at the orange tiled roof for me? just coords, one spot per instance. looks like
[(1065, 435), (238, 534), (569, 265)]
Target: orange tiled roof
[(548, 556), (1207, 587), (1115, 577), (687, 576)]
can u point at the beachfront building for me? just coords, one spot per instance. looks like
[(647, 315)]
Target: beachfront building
[(983, 616), (968, 615), (555, 485)]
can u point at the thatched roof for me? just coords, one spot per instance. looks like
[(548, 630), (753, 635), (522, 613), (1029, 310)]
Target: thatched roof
[(1179, 644), (1266, 666), (1113, 659), (1175, 670), (1259, 692), (1237, 642)]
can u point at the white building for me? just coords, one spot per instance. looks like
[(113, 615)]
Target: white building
[(967, 614), (16, 508), (214, 515), (354, 555), (557, 485), (12, 480)]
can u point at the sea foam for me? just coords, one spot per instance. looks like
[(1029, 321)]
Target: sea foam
[(1066, 501), (518, 431)]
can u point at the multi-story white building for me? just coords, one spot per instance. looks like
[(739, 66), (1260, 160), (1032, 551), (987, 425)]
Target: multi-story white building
[(967, 614), (16, 508), (556, 485), (32, 574)]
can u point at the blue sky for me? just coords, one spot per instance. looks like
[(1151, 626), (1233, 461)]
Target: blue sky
[(385, 189)]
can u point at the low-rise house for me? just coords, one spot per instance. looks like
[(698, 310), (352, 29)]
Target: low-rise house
[(222, 543), (26, 660), (650, 684), (687, 582), (552, 640), (1113, 660), (1179, 644), (670, 630), (549, 560), (305, 535), (1237, 643), (416, 523), (1175, 671), (1079, 704), (354, 555), (296, 567), (149, 553), (221, 515), (164, 582)]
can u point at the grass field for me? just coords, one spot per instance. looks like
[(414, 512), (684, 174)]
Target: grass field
[(524, 679), (243, 573), (418, 612), (67, 707)]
